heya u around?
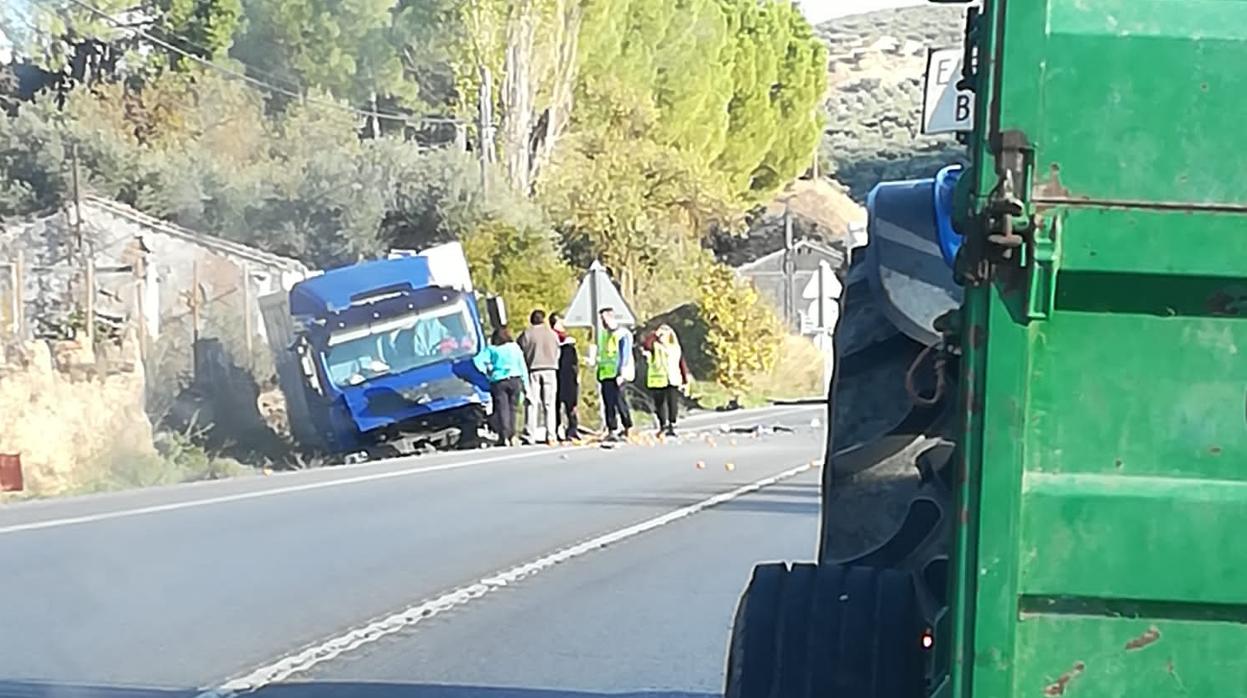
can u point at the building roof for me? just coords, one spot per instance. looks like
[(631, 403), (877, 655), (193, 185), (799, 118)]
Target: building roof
[(819, 248), (211, 242)]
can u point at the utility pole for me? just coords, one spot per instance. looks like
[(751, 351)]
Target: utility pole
[(73, 155), (485, 127), (85, 252), (90, 261), (374, 122), (246, 313), (789, 269)]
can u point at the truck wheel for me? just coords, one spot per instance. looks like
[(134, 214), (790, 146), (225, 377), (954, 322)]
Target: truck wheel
[(829, 631)]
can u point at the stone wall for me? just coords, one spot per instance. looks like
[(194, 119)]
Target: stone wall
[(74, 414)]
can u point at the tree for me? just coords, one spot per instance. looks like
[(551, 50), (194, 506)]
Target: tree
[(627, 202), (86, 41), (519, 264), (347, 49), (733, 84), (742, 333), (33, 176)]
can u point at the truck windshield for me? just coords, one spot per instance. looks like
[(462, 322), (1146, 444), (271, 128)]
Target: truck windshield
[(401, 343)]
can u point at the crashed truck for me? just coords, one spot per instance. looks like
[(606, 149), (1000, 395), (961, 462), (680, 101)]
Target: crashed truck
[(375, 359), (1036, 471)]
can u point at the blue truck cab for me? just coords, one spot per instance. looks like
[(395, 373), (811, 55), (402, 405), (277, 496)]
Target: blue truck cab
[(384, 350)]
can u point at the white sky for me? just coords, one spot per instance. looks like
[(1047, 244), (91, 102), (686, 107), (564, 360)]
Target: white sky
[(823, 10)]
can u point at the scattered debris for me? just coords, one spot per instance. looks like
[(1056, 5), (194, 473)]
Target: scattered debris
[(729, 466), (700, 465)]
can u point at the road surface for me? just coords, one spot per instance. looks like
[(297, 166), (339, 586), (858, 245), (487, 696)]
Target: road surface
[(532, 573)]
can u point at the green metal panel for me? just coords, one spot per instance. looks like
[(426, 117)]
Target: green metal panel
[(1078, 656), (1103, 482), (1132, 100)]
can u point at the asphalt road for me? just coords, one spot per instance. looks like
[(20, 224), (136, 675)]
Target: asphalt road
[(171, 591)]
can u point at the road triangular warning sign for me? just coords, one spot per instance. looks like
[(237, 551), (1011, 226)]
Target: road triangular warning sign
[(596, 292)]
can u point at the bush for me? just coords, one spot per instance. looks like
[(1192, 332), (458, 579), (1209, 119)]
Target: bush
[(742, 333), (520, 265)]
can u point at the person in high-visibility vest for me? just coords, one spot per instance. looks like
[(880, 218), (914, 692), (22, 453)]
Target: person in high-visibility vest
[(666, 375), (615, 367)]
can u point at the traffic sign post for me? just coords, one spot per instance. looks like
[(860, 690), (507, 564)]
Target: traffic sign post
[(596, 292), (823, 291)]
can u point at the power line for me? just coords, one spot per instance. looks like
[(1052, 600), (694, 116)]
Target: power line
[(252, 80)]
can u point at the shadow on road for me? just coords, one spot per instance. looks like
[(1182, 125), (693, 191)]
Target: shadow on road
[(321, 689)]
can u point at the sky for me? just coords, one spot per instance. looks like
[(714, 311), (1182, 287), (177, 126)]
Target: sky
[(816, 10), (822, 10)]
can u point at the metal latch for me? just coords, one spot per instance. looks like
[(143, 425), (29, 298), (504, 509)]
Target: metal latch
[(1016, 235), (1008, 219)]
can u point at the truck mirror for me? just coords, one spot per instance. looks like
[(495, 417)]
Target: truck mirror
[(497, 311), (307, 365)]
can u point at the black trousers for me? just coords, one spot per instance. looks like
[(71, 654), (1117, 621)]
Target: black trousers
[(666, 405), (566, 414), (615, 406), (506, 395)]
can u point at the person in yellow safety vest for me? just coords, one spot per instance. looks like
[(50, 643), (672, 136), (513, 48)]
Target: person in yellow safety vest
[(666, 375), (615, 367)]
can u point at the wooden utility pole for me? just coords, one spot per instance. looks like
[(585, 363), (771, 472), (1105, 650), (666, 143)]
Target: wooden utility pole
[(140, 303), (485, 126), (194, 302), (73, 155), (246, 311), (19, 299), (89, 258), (789, 269)]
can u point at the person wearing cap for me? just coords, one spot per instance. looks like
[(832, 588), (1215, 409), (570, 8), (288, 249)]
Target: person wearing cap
[(566, 418), (615, 368), (666, 375)]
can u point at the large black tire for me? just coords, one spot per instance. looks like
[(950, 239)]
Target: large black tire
[(826, 631)]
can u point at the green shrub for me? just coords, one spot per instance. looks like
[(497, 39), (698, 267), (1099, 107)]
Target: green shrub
[(742, 333)]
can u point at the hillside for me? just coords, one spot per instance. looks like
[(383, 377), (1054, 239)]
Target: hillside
[(874, 104)]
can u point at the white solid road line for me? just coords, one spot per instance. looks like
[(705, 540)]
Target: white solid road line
[(305, 659), (290, 489), (259, 494)]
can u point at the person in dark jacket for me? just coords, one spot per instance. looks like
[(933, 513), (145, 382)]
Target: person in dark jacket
[(569, 381)]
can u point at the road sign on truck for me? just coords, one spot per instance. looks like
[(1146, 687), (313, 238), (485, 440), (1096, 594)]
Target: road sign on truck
[(946, 107)]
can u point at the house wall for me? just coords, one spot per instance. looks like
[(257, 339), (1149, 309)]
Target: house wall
[(145, 268), (767, 275)]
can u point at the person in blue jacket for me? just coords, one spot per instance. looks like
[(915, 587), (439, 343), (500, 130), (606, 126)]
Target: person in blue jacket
[(503, 363)]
